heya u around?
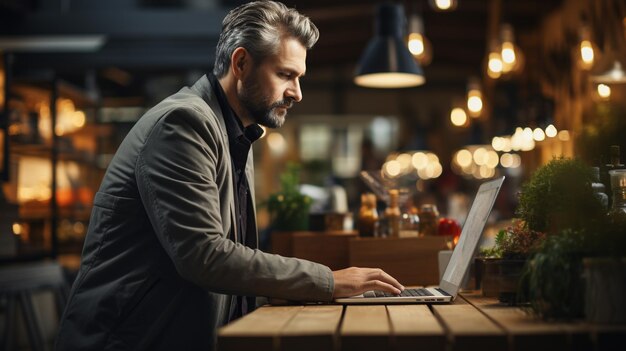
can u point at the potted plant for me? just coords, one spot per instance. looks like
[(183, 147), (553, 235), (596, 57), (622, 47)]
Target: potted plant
[(289, 208), (559, 196), (552, 280), (559, 200), (499, 268)]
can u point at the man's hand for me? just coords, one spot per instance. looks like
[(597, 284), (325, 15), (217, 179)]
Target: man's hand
[(354, 281)]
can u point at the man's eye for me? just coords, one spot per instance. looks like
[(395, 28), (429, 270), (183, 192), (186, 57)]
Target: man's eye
[(284, 75)]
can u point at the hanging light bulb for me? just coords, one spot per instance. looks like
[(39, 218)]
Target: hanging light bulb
[(508, 50), (604, 91), (458, 117), (608, 69), (419, 46), (551, 131), (494, 61), (443, 5), (586, 49), (474, 98), (458, 114)]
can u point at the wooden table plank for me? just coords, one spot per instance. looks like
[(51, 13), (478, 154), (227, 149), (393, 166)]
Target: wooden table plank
[(528, 332), (365, 328), (415, 327), (468, 329), (258, 330), (312, 328)]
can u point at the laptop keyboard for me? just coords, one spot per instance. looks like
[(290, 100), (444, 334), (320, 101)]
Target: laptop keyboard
[(406, 292)]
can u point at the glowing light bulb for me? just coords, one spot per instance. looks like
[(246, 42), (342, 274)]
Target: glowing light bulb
[(497, 143), (506, 160), (458, 117), (419, 46), (474, 97), (464, 158), (393, 168), (604, 91), (538, 134), (508, 53), (416, 44), (443, 4), (494, 66), (474, 103), (551, 131), (419, 160), (586, 54)]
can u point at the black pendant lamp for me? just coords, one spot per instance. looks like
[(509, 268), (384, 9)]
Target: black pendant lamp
[(387, 62)]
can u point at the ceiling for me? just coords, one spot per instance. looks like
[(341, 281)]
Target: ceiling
[(148, 36)]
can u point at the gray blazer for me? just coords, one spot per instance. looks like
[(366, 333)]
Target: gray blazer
[(158, 270)]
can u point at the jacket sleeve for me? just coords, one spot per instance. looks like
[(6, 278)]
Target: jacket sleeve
[(176, 174)]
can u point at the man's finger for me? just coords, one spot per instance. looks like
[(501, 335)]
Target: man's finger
[(379, 274), (381, 286)]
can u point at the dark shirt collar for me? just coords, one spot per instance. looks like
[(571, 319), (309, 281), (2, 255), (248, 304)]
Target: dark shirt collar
[(234, 127)]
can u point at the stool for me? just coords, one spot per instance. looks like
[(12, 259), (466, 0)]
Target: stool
[(17, 284)]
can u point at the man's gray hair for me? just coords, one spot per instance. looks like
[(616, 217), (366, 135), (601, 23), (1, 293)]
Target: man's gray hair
[(259, 27)]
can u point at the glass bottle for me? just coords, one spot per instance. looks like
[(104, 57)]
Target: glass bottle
[(368, 215), (410, 223), (429, 219), (617, 213), (599, 190), (393, 215), (614, 163)]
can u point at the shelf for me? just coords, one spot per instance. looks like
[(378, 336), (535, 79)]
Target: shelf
[(41, 90), (54, 230)]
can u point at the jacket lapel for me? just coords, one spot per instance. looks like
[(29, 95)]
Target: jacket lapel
[(203, 87)]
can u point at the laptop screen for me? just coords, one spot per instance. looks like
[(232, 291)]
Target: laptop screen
[(470, 235)]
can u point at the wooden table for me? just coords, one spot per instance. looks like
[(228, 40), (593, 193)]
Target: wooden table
[(472, 322)]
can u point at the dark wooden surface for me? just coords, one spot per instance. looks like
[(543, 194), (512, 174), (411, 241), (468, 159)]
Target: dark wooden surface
[(338, 250), (472, 322)]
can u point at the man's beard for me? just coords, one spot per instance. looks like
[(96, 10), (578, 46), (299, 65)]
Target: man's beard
[(258, 106)]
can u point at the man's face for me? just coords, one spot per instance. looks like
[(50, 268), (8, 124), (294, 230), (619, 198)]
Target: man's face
[(272, 86)]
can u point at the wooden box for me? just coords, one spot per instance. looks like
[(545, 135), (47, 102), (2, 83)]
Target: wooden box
[(329, 248), (413, 261)]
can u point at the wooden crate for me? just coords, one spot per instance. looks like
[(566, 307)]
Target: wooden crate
[(327, 248), (413, 261)]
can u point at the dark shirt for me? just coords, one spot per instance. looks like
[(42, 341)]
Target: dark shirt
[(240, 140)]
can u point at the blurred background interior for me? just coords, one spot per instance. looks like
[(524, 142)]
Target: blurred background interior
[(504, 87)]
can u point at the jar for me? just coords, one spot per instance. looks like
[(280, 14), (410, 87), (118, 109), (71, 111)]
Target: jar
[(599, 190), (617, 214), (368, 216), (429, 219), (409, 224), (393, 216)]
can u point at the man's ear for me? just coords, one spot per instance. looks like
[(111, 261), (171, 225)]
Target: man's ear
[(240, 62)]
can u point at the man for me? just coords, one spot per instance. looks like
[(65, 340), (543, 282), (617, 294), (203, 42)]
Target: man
[(170, 253)]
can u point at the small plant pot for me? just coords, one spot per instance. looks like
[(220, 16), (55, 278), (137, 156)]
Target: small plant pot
[(500, 278), (297, 221), (605, 295)]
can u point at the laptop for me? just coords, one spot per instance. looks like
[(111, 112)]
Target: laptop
[(459, 262)]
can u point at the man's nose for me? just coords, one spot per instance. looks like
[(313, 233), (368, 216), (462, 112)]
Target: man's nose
[(293, 91)]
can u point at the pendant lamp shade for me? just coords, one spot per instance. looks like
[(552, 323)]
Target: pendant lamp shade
[(386, 62)]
